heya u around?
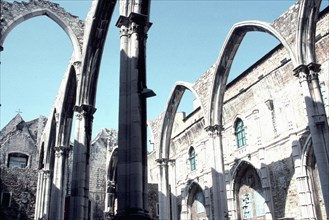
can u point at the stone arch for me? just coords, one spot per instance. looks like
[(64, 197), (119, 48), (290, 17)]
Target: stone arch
[(191, 190), (314, 206), (66, 109), (225, 60), (306, 30), (248, 191), (50, 142), (111, 183), (171, 108), (17, 12)]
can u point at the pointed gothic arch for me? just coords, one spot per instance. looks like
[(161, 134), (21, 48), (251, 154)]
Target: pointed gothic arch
[(71, 25), (313, 207), (168, 120), (225, 60), (194, 199), (111, 183), (248, 191)]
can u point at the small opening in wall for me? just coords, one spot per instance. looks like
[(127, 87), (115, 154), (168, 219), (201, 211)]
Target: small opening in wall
[(157, 209), (5, 199), (17, 160)]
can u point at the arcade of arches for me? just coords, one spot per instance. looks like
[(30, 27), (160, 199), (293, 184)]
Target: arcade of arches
[(254, 148)]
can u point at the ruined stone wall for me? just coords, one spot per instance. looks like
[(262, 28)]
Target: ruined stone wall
[(19, 137), (267, 97), (269, 126), (22, 184)]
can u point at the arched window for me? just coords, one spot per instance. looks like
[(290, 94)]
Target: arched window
[(192, 158), (240, 133), (17, 160)]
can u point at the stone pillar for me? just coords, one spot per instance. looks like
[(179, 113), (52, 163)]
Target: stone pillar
[(132, 148), (266, 185), (37, 212), (58, 192), (172, 183), (217, 170), (45, 202), (164, 197), (79, 200), (184, 210), (317, 122), (231, 210)]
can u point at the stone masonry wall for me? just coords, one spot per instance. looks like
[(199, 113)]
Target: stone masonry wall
[(22, 184)]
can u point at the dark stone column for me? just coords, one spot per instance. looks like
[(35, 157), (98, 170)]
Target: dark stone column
[(79, 200), (132, 148)]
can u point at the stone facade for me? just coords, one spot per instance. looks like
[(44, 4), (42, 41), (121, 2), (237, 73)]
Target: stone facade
[(22, 137), (262, 174), (18, 164), (255, 148)]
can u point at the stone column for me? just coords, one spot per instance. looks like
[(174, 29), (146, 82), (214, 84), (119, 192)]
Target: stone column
[(132, 148), (59, 184), (37, 213), (217, 170), (79, 200), (45, 202), (172, 184), (266, 185), (184, 209), (164, 197), (317, 122)]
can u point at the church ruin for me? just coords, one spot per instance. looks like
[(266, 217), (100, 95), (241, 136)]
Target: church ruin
[(254, 148)]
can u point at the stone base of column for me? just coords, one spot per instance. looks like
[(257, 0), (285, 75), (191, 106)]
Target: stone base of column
[(133, 215)]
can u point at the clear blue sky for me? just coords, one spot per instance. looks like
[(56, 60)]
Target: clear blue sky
[(184, 41)]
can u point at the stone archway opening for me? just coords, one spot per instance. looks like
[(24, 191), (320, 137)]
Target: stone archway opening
[(111, 185), (249, 195), (313, 182), (196, 202), (48, 66)]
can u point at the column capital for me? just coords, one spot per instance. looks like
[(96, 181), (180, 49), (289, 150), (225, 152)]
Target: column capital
[(314, 67), (137, 23), (214, 130), (86, 111), (164, 161), (301, 72), (61, 151), (141, 20), (301, 68)]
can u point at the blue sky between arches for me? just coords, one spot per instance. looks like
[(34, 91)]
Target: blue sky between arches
[(183, 42)]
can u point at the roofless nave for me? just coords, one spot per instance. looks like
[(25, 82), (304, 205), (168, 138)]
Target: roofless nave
[(220, 198)]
